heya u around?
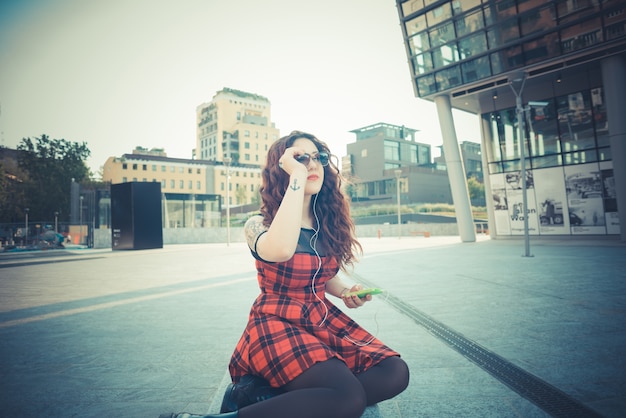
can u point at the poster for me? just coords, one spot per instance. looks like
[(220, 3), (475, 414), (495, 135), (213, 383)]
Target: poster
[(583, 185), (515, 201), (500, 204), (552, 201)]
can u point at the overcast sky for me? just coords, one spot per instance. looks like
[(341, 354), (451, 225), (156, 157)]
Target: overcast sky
[(117, 74)]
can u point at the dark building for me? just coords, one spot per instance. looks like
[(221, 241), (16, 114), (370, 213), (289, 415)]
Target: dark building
[(550, 72)]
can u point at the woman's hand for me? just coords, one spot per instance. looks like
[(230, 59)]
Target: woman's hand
[(289, 163), (354, 301)]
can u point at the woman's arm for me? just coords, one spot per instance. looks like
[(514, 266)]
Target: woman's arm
[(281, 239)]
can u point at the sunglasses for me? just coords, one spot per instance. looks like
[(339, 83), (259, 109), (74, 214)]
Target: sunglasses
[(320, 158)]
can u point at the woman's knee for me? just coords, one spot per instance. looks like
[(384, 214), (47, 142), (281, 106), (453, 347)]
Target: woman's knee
[(397, 372)]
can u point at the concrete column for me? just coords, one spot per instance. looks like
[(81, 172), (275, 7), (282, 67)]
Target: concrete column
[(456, 171), (614, 84), (486, 140)]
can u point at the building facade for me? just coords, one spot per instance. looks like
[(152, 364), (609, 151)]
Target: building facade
[(547, 79), (235, 125), (384, 154), (194, 191)]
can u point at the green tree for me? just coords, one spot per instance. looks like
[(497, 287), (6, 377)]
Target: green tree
[(51, 165), (476, 191)]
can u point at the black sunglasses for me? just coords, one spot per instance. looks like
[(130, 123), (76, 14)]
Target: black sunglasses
[(320, 158)]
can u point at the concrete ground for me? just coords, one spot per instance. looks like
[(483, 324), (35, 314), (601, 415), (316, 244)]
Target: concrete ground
[(486, 332)]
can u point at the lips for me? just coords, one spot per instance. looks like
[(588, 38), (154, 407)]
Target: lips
[(313, 177)]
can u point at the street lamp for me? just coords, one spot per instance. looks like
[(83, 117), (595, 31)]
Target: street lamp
[(519, 77), (26, 227), (398, 173), (227, 161), (56, 221), (80, 213)]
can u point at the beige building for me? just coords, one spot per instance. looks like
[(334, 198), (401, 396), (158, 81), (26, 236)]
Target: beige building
[(184, 176), (234, 132), (235, 125)]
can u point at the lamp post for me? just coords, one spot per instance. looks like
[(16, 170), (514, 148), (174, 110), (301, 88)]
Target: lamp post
[(398, 173), (56, 221), (227, 161), (520, 77), (26, 227), (80, 214)]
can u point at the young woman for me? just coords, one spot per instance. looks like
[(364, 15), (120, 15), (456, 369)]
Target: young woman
[(300, 355)]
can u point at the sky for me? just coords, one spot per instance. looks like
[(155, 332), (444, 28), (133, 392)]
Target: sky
[(117, 74)]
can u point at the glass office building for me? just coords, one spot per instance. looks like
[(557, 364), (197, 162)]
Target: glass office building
[(559, 67)]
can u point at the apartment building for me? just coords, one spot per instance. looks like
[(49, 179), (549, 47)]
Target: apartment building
[(235, 125)]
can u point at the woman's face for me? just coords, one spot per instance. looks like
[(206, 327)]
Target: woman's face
[(315, 178)]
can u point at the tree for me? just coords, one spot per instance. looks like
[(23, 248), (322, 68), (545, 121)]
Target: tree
[(476, 191), (51, 165)]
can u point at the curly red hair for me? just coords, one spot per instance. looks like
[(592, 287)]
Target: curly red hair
[(336, 228)]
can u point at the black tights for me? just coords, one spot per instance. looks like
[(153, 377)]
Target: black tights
[(329, 389)]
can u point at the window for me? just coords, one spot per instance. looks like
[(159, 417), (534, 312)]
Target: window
[(439, 14), (426, 85), (469, 23), (544, 135), (473, 45), (419, 43), (411, 6), (599, 117), (448, 78), (445, 55), (124, 166), (144, 167), (415, 25), (392, 150), (134, 166), (475, 69), (423, 63), (575, 121), (181, 183), (442, 34), (172, 184)]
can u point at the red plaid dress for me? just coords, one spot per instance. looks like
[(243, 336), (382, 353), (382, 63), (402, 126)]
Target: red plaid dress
[(290, 329)]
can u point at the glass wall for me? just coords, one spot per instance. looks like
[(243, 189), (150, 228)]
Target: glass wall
[(454, 42), (191, 211), (569, 172)]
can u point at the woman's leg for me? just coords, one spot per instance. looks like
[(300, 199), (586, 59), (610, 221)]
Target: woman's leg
[(328, 389), (385, 380)]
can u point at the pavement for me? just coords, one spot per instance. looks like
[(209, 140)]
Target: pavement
[(486, 331)]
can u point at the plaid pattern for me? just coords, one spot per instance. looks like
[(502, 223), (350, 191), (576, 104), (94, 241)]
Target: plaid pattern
[(283, 337)]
